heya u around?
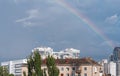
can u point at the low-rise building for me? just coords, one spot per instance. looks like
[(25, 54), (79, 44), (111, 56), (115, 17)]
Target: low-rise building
[(74, 67)]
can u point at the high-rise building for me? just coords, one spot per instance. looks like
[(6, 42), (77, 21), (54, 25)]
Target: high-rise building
[(111, 57), (109, 67), (116, 53), (14, 67), (104, 63), (67, 53), (118, 68), (112, 68), (44, 51)]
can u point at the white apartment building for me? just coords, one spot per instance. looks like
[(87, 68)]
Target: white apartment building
[(14, 67), (112, 68), (118, 68), (104, 63), (109, 67), (67, 53), (44, 51)]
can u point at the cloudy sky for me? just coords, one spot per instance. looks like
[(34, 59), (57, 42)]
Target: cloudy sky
[(26, 24)]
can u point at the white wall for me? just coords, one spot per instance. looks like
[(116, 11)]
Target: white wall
[(112, 68)]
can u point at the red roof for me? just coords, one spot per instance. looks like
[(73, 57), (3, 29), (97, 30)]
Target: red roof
[(80, 61)]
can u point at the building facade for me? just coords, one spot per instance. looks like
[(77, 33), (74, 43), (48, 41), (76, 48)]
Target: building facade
[(116, 53), (118, 68), (75, 67), (67, 53), (14, 67), (104, 64), (109, 67), (112, 68)]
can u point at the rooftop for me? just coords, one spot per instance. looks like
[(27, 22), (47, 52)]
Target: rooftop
[(80, 61)]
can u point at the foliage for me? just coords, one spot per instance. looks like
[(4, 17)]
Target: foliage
[(4, 71), (24, 73), (37, 64), (11, 75), (52, 69), (44, 72), (34, 64)]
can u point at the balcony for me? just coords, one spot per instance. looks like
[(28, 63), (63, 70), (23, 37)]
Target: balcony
[(78, 71)]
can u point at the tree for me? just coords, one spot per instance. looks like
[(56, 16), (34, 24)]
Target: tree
[(51, 66), (1, 71), (44, 72), (4, 71), (37, 63), (30, 63), (11, 75), (34, 64), (24, 73)]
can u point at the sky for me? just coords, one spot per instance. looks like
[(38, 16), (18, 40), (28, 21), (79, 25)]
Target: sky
[(91, 26)]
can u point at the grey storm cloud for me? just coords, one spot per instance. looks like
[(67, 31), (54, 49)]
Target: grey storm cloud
[(33, 23)]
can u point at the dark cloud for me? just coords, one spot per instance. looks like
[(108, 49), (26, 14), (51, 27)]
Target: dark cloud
[(26, 24)]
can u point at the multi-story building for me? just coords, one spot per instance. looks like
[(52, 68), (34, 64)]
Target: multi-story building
[(118, 68), (112, 68), (14, 67), (109, 67), (104, 63), (44, 51), (67, 53), (74, 67), (111, 58), (116, 53), (116, 56)]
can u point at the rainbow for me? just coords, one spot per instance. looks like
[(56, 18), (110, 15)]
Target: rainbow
[(89, 23)]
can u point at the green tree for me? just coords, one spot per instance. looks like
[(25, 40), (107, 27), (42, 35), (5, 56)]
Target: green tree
[(4, 71), (24, 73), (11, 75), (51, 65), (30, 64), (34, 64), (37, 63), (1, 71), (44, 72)]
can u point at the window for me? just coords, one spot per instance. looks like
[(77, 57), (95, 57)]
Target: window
[(73, 74), (67, 74), (62, 74), (73, 68), (62, 69), (101, 70), (85, 68), (18, 65), (85, 74), (67, 69), (95, 70), (18, 71), (78, 74)]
